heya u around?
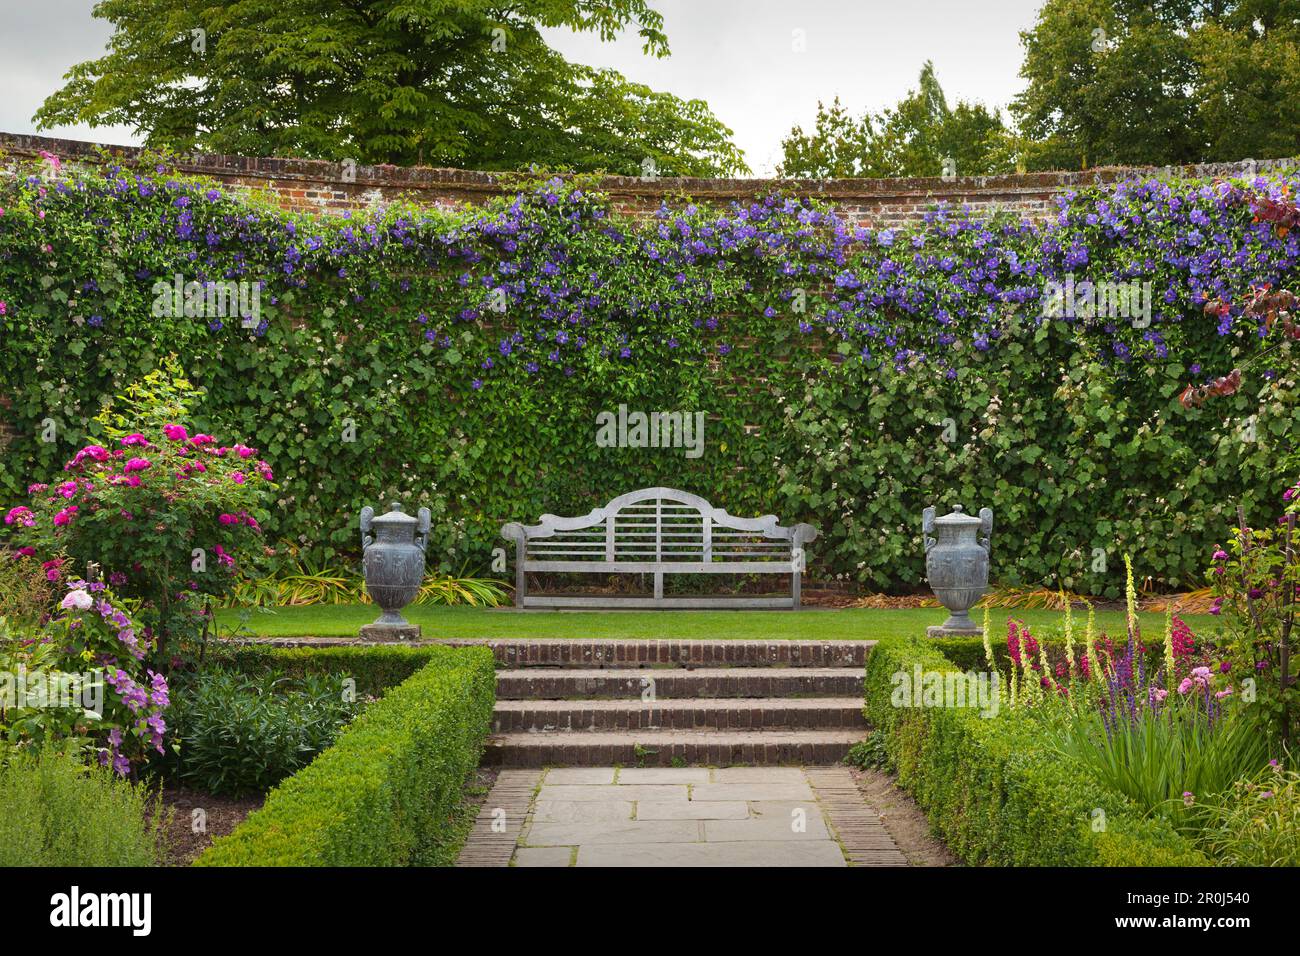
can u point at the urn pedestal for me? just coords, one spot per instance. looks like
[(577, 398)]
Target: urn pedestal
[(957, 565), (393, 562)]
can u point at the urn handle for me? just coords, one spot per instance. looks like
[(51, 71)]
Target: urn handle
[(422, 529), (927, 528), (367, 515), (986, 526)]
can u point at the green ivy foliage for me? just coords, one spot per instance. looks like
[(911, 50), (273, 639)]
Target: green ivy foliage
[(457, 359)]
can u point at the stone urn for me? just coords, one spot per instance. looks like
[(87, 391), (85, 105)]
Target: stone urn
[(957, 564), (393, 562)]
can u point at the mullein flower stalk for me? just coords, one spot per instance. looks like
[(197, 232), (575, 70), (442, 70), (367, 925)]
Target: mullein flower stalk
[(1069, 638), (988, 650), (1130, 600), (1169, 646)]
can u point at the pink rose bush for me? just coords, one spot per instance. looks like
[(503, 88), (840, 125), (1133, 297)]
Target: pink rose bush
[(171, 520)]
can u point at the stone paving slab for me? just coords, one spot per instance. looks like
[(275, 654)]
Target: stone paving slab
[(753, 853), (543, 856), (580, 775), (698, 816), (759, 775), (662, 775), (692, 810), (629, 792), (752, 791), (599, 833), (807, 826), (579, 811)]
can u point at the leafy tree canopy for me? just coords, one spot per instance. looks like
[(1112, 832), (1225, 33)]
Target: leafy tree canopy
[(467, 83), (1160, 81), (919, 136)]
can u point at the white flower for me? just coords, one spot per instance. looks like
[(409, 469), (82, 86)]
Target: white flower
[(79, 599)]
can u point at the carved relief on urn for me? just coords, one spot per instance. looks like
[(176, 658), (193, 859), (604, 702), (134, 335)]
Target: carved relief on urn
[(957, 563), (393, 562)]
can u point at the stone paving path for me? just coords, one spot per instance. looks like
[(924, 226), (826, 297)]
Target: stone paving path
[(667, 816)]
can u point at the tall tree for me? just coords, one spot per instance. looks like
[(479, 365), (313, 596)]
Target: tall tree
[(1160, 81), (919, 136), (1248, 87), (443, 82)]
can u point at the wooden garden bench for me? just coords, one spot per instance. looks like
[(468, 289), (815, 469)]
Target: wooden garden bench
[(658, 531)]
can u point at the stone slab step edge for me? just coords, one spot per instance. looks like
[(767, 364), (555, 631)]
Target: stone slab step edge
[(576, 653), (670, 748), (534, 683), (737, 713)]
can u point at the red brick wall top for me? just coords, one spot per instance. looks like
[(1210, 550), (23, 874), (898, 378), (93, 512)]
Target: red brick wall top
[(307, 184)]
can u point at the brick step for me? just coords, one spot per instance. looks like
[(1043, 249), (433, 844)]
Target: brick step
[(737, 713), (556, 652), (535, 683), (662, 748)]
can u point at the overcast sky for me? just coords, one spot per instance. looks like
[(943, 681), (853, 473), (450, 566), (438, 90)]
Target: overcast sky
[(737, 55)]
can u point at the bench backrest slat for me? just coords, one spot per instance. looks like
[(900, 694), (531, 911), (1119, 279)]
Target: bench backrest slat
[(659, 523)]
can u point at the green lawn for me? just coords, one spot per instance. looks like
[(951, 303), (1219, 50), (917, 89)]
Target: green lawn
[(343, 620)]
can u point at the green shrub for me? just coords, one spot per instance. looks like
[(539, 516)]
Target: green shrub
[(386, 793), (240, 733), (870, 754), (375, 669), (56, 811), (1257, 823), (994, 792)]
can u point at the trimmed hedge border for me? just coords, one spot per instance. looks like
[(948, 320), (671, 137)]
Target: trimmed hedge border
[(375, 668), (385, 793), (994, 793)]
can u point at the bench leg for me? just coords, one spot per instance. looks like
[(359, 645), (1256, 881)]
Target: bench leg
[(659, 587), (521, 579), (795, 588)]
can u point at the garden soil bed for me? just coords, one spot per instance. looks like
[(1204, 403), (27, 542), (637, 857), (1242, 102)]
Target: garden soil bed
[(184, 840)]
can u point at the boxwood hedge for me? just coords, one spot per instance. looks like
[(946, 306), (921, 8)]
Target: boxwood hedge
[(374, 668), (994, 793), (383, 795)]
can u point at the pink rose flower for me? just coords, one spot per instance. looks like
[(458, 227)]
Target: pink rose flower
[(175, 432), (22, 516)]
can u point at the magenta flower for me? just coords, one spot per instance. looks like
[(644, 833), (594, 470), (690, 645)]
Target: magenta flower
[(137, 464), (20, 515), (175, 432)]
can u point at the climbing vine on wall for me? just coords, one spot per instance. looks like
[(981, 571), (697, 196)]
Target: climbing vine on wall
[(458, 359)]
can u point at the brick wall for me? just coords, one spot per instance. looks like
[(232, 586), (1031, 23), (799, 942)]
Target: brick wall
[(332, 187)]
